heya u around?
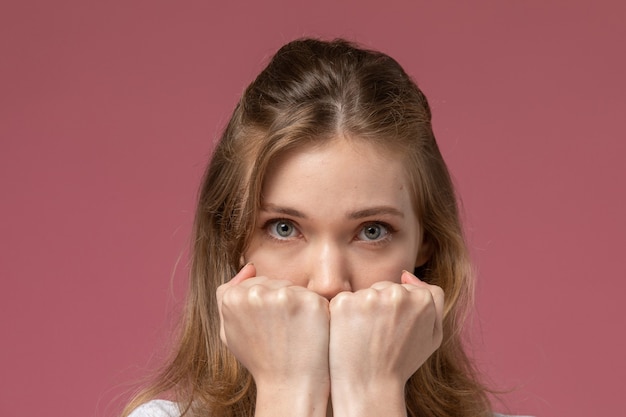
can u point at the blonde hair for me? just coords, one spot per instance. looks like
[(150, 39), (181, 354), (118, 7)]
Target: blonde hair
[(312, 91)]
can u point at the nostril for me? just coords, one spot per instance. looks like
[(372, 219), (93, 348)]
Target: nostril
[(330, 269), (329, 287)]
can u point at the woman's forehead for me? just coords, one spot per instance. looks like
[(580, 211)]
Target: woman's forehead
[(354, 173), (365, 148)]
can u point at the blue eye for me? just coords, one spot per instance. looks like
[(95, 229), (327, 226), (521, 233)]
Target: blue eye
[(373, 232), (281, 229)]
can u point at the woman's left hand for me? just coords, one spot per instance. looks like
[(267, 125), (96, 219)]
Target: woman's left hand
[(379, 337)]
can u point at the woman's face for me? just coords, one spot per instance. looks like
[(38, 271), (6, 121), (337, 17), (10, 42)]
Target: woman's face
[(336, 217)]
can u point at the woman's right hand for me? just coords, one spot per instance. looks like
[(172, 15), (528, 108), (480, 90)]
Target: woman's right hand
[(280, 333)]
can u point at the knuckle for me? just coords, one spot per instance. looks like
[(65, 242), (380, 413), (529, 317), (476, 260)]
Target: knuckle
[(313, 302), (397, 293), (437, 292), (369, 296), (422, 296), (282, 295), (229, 297), (380, 285), (255, 294), (339, 301)]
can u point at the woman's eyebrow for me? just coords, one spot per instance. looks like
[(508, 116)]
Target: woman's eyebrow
[(375, 211), (283, 210), (358, 214)]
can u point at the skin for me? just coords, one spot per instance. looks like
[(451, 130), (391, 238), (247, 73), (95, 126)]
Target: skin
[(325, 315)]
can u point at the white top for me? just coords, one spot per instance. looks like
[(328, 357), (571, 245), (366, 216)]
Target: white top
[(156, 408), (164, 408)]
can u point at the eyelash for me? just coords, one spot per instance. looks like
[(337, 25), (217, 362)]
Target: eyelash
[(382, 240), (270, 224)]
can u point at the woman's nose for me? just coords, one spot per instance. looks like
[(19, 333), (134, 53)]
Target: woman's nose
[(329, 270)]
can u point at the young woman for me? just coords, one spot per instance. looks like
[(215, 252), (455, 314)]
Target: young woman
[(326, 236)]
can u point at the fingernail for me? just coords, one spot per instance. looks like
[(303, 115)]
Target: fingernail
[(409, 276), (405, 273)]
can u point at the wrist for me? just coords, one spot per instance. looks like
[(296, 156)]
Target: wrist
[(367, 398), (292, 398)]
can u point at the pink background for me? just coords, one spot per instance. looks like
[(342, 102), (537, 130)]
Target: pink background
[(107, 116)]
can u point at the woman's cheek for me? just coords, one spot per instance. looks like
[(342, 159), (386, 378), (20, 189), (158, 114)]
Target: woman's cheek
[(277, 263), (384, 267)]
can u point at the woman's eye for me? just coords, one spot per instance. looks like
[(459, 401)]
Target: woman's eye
[(282, 229), (373, 232)]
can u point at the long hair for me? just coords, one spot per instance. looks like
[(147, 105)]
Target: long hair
[(311, 91)]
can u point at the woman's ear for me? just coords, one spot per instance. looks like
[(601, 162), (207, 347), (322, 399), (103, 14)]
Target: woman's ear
[(423, 254)]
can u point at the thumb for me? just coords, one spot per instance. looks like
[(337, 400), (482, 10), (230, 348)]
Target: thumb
[(409, 278), (248, 271)]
